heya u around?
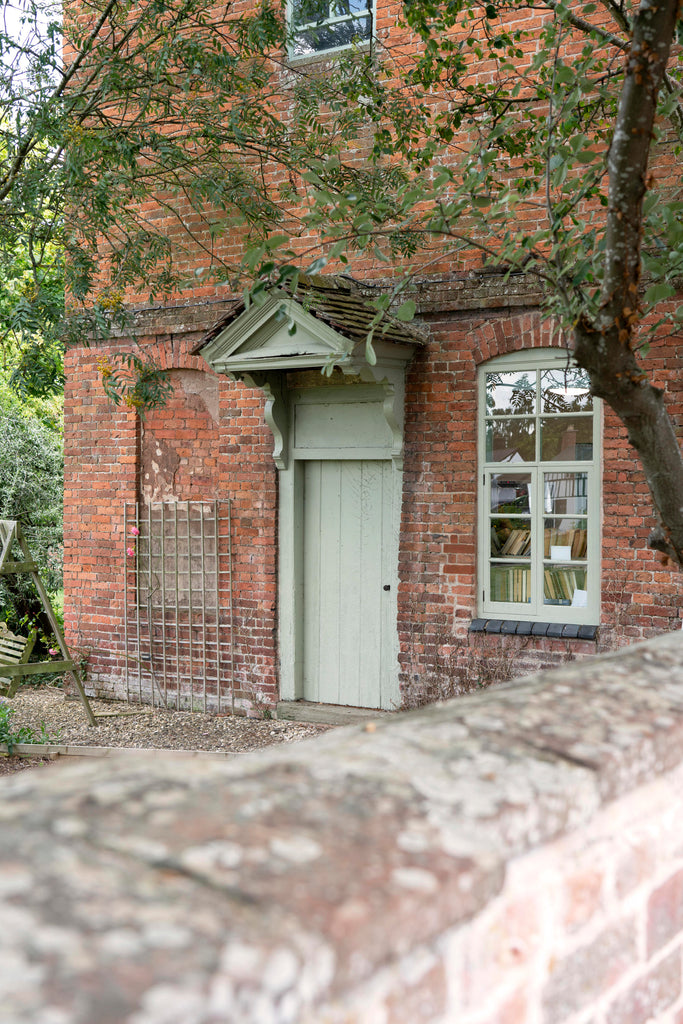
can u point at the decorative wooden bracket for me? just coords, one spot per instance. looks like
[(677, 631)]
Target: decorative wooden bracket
[(275, 411)]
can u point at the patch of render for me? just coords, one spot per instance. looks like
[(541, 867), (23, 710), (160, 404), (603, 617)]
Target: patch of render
[(205, 386), (159, 464)]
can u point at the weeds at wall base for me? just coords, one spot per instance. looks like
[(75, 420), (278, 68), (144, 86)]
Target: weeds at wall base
[(24, 734)]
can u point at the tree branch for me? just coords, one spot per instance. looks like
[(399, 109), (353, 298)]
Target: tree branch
[(604, 347)]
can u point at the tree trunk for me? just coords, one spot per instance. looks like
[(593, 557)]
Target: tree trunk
[(604, 347), (617, 377)]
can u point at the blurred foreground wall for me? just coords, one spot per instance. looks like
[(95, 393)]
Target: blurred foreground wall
[(513, 857)]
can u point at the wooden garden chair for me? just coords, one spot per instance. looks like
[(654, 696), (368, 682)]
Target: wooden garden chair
[(14, 650)]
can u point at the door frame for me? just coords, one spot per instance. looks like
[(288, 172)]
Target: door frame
[(389, 396), (276, 336)]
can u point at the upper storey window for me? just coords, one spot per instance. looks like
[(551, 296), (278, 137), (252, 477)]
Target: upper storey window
[(321, 26)]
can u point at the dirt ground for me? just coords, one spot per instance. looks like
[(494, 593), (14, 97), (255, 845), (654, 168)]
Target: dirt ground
[(45, 710)]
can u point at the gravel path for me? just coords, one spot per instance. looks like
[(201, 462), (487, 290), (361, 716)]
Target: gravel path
[(135, 726)]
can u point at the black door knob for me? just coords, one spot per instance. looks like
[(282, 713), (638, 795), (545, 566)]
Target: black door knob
[(386, 587)]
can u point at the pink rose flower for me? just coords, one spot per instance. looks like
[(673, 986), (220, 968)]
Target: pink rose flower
[(130, 552), (134, 530), (53, 651)]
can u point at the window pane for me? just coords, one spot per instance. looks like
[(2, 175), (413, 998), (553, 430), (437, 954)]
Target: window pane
[(565, 540), (567, 439), (511, 583), (565, 391), (565, 493), (510, 538), (307, 12), (328, 37), (565, 586), (510, 393), (511, 440), (340, 7), (510, 492)]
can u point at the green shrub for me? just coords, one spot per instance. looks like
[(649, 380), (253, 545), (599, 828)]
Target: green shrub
[(31, 491)]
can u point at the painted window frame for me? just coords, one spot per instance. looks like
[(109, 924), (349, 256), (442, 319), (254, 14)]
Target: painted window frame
[(535, 609), (322, 52)]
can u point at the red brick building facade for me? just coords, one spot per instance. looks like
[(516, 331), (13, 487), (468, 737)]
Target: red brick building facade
[(478, 564), (212, 442)]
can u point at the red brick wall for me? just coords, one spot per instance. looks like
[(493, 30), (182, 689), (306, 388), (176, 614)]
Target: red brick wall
[(100, 467), (110, 461), (512, 857), (587, 928), (211, 442), (438, 596)]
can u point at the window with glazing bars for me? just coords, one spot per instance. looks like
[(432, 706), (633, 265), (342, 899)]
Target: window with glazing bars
[(320, 26), (540, 490)]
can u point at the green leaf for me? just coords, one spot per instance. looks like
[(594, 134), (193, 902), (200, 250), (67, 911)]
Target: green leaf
[(658, 293), (406, 311)]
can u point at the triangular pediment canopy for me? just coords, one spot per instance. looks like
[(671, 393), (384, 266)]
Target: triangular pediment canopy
[(327, 322), (277, 335)]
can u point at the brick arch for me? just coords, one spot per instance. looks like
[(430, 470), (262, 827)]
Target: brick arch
[(176, 352), (514, 333)]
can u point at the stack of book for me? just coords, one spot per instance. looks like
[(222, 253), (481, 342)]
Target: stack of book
[(574, 539), (517, 543), (560, 583), (510, 583)]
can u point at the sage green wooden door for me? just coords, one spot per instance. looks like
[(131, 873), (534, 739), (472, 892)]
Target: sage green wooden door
[(350, 555)]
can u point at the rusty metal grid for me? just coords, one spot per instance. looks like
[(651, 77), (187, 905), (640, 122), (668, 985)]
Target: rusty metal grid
[(178, 630)]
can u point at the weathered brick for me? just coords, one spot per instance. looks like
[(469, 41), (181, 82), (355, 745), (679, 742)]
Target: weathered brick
[(503, 939), (650, 995), (583, 896), (423, 998), (665, 913), (588, 972)]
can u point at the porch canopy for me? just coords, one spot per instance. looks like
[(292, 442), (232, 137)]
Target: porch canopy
[(325, 324)]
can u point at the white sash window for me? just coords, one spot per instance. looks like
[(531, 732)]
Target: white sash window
[(322, 26)]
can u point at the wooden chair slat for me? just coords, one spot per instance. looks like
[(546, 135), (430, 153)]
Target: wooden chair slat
[(11, 647), (14, 650)]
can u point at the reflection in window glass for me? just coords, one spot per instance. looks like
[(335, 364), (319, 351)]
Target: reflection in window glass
[(511, 440), (565, 493), (567, 439), (512, 394), (321, 25), (510, 492), (541, 493), (564, 391)]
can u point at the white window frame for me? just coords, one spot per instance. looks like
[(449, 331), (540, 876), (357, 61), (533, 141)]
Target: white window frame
[(335, 20), (536, 610)]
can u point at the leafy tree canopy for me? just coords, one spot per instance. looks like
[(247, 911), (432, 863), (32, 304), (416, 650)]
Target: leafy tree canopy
[(175, 144)]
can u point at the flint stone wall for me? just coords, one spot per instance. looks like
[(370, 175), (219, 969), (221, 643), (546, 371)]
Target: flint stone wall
[(510, 857)]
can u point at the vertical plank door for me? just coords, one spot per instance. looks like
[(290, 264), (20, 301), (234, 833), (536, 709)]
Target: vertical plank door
[(349, 558)]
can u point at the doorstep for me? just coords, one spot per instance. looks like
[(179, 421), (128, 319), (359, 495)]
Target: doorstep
[(327, 714)]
